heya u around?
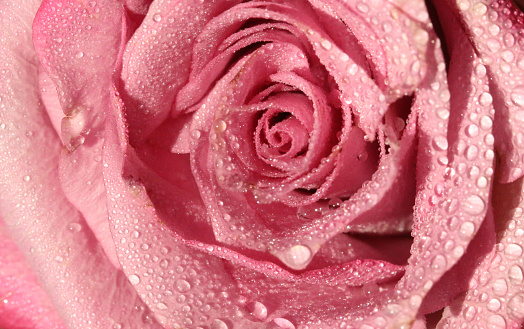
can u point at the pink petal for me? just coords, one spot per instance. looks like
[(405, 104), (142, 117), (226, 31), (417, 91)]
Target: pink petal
[(55, 239), (504, 60), (79, 56), (24, 302), (162, 65), (496, 294)]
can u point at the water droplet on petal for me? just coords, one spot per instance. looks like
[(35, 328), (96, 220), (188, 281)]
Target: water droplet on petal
[(500, 287), (493, 305), (134, 279), (466, 230), (325, 44), (74, 227), (517, 95), (469, 313), (284, 323), (479, 9), (258, 310), (515, 275), (474, 205), (182, 285), (440, 143), (496, 322), (513, 251), (219, 324), (516, 306), (485, 99), (157, 17), (161, 306), (297, 256)]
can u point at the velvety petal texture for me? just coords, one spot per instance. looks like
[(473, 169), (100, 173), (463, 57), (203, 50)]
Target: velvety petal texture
[(304, 164)]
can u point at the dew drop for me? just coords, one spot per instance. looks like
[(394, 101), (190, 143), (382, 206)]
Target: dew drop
[(134, 279), (440, 143), (74, 227), (466, 230), (469, 313), (500, 287), (219, 324), (493, 305), (474, 205), (515, 275), (516, 306), (157, 17), (443, 113), (161, 306), (517, 95), (326, 44), (258, 310), (334, 203), (513, 251), (472, 130), (182, 285), (486, 122), (79, 54), (479, 9), (472, 152), (480, 70), (438, 263), (297, 256), (496, 322), (283, 323), (485, 99), (220, 126)]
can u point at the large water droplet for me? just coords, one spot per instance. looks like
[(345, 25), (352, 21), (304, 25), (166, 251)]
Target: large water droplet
[(516, 306), (258, 310), (474, 205), (517, 95), (466, 230), (469, 313), (134, 279), (284, 323), (500, 287), (493, 305), (513, 251), (496, 322), (297, 256), (515, 275), (440, 143), (182, 285), (219, 324)]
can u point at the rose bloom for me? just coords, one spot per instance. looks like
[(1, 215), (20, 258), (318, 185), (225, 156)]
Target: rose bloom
[(261, 164)]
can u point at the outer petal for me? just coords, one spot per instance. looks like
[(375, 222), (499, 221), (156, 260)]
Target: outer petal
[(494, 29), (24, 304), (84, 287), (80, 55)]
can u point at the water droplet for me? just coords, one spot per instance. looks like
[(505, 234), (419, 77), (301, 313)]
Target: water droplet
[(362, 7), (284, 323), (486, 122), (480, 70), (258, 310), (516, 306), (474, 205), (220, 126), (515, 275), (472, 152), (439, 263), (466, 230), (500, 287), (297, 256), (415, 301), (334, 203), (472, 130), (440, 143), (219, 324), (479, 9), (482, 182), (134, 279), (157, 17), (485, 99), (326, 44), (517, 95), (469, 313), (182, 285), (79, 54), (496, 322), (27, 178), (493, 305), (513, 251), (74, 227), (161, 306)]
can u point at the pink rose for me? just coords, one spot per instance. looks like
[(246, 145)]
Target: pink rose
[(261, 164)]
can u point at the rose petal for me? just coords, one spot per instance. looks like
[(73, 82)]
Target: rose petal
[(24, 302), (496, 295), (493, 29), (51, 233), (80, 56), (162, 64)]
